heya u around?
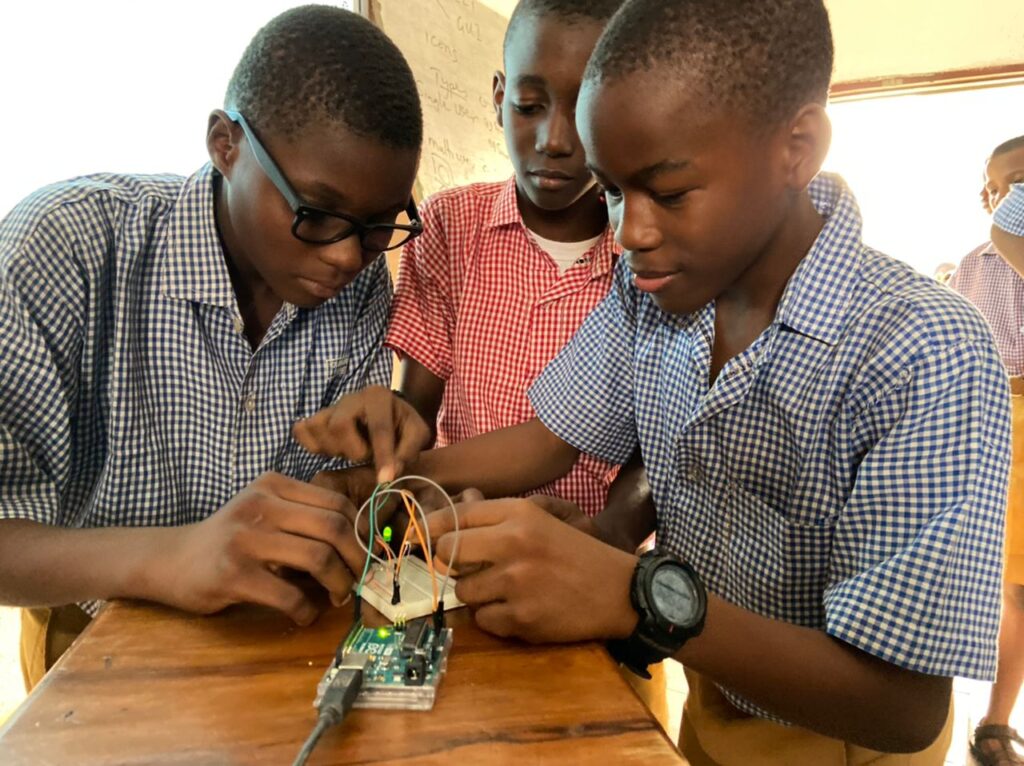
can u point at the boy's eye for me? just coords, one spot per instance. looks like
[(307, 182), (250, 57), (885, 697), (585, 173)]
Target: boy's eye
[(610, 192), (526, 109), (671, 198)]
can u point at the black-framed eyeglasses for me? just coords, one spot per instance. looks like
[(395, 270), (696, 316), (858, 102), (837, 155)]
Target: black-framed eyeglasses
[(322, 227)]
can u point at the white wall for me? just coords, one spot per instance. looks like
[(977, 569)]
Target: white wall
[(875, 38), (109, 85)]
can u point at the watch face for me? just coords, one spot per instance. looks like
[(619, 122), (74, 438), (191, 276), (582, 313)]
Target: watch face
[(675, 596)]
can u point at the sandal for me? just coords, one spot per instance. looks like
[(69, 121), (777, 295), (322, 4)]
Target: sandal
[(1001, 752)]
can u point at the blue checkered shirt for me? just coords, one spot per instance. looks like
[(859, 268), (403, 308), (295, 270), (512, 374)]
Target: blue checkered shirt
[(129, 395), (1009, 216), (846, 472)]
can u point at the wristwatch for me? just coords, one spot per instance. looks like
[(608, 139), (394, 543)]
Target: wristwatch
[(671, 602)]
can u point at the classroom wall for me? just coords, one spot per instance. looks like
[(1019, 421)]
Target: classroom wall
[(454, 48), (876, 38), (504, 7)]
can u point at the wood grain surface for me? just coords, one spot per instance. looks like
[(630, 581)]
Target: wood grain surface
[(150, 685)]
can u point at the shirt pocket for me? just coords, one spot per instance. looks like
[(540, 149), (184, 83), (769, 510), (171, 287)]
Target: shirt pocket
[(777, 566)]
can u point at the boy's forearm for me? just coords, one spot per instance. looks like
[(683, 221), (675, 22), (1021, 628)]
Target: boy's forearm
[(807, 677), (628, 517), (509, 461), (422, 389), (43, 565)]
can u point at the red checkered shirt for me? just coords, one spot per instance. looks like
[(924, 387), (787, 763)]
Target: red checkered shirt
[(481, 306)]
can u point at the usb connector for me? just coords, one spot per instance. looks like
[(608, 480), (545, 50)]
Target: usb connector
[(339, 696), (341, 693)]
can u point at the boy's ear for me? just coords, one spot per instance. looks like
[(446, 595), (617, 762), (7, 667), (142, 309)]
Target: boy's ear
[(498, 89), (807, 144), (222, 136)]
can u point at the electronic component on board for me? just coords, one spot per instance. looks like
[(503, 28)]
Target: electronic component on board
[(414, 590), (403, 668)]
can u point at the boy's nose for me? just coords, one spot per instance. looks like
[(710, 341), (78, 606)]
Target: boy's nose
[(346, 255), (556, 136), (634, 230)]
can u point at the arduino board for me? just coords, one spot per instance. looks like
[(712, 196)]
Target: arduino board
[(404, 664)]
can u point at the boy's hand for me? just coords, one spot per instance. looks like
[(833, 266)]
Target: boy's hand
[(529, 575), (356, 483), (237, 554), (372, 423), (566, 511)]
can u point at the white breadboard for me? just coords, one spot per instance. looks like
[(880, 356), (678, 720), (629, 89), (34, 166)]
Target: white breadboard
[(414, 588)]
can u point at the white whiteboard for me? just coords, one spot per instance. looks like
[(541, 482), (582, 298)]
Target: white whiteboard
[(454, 48)]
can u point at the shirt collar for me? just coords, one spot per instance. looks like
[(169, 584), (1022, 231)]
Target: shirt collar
[(506, 208), (194, 264), (815, 299), (604, 254), (505, 212)]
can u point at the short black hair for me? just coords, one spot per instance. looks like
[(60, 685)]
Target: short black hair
[(569, 12), (1008, 146), (763, 59), (318, 62)]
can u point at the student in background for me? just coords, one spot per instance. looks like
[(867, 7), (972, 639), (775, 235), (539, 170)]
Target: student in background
[(506, 272), (161, 334), (991, 284), (826, 431)]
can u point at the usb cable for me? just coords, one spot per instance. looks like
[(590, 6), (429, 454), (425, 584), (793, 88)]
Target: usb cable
[(338, 699)]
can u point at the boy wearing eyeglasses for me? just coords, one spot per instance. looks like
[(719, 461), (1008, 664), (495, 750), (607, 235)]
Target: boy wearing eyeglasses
[(160, 335)]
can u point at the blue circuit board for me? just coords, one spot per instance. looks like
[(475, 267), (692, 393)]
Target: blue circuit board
[(404, 664)]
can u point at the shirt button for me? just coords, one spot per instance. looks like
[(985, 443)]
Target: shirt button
[(249, 402), (239, 324), (694, 474)]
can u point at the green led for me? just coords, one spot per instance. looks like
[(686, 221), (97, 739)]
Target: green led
[(383, 632), (386, 534)]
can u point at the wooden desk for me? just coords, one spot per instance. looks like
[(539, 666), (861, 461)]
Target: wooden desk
[(149, 685)]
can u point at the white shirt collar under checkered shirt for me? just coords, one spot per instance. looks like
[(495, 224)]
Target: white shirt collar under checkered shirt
[(847, 472)]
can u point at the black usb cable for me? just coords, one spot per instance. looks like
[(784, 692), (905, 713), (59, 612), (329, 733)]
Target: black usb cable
[(338, 699)]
